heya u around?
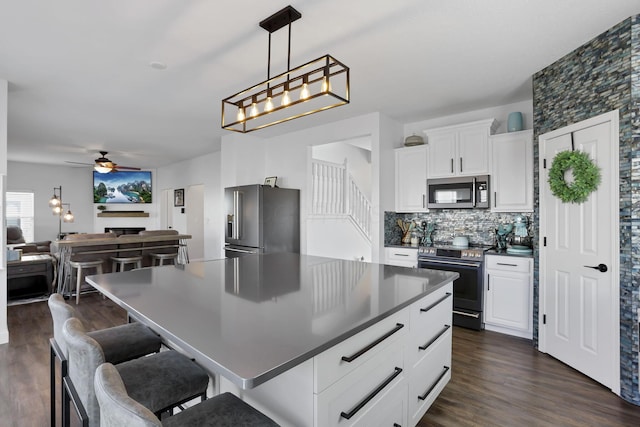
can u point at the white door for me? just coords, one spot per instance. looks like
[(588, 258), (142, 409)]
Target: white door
[(194, 206), (579, 317)]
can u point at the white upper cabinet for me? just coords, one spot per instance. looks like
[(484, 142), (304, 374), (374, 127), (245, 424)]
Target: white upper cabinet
[(512, 172), (460, 150), (411, 179)]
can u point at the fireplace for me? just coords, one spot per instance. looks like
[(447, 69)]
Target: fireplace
[(124, 230)]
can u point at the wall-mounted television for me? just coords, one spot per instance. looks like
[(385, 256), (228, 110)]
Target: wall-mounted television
[(122, 187)]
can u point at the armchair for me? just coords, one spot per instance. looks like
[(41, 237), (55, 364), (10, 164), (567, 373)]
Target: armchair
[(16, 239)]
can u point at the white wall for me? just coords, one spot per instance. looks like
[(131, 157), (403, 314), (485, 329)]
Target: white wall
[(204, 170), (247, 159), (499, 113), (4, 94), (77, 189)]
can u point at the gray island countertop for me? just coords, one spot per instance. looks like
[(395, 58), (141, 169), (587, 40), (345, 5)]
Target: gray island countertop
[(253, 318)]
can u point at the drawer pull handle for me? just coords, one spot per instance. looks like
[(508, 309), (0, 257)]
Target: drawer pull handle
[(444, 372), (401, 254), (434, 339), (447, 295), (354, 356), (397, 371), (507, 264)]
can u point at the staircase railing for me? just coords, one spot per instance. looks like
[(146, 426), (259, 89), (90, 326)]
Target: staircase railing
[(333, 283), (335, 192)]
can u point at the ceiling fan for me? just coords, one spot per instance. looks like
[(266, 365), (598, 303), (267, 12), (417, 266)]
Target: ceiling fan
[(104, 165)]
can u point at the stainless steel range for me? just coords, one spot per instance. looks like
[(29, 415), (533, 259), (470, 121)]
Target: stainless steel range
[(468, 288)]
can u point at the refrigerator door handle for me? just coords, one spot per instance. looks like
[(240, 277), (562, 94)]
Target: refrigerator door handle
[(237, 215), (242, 251)]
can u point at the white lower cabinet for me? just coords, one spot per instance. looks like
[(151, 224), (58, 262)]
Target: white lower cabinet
[(402, 257), (393, 372), (509, 295), (429, 351)]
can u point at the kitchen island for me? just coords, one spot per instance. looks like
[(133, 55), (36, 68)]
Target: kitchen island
[(311, 341)]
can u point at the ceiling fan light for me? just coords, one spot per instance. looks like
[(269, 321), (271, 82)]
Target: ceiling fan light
[(102, 169)]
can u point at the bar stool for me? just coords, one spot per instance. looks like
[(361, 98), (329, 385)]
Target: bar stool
[(162, 257), (119, 344), (97, 264), (123, 261), (160, 381), (119, 408)]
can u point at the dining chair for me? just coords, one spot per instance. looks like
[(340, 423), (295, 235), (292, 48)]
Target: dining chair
[(118, 408), (160, 381), (119, 343)]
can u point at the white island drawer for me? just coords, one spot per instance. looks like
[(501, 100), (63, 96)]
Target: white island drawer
[(330, 365), (509, 263), (431, 318), (371, 386), (429, 377)]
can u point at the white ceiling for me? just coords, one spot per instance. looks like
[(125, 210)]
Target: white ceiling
[(80, 80)]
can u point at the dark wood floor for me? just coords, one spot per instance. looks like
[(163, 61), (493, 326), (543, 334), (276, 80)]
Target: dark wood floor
[(497, 380)]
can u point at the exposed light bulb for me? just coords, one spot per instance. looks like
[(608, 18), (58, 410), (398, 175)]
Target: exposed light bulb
[(241, 116), (269, 105), (326, 84), (286, 99), (254, 109), (54, 201), (304, 93), (57, 209), (68, 217)]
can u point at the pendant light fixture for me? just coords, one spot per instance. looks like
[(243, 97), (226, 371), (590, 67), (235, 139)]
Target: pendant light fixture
[(316, 86)]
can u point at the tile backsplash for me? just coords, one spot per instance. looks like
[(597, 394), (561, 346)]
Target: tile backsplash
[(478, 225)]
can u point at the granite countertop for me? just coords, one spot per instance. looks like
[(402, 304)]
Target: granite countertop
[(254, 317)]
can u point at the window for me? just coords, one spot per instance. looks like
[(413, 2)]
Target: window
[(20, 212)]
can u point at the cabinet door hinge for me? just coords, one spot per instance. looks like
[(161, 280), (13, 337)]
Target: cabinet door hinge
[(544, 319)]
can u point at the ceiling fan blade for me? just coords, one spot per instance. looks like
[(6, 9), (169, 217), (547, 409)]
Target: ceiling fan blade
[(79, 163), (116, 167)]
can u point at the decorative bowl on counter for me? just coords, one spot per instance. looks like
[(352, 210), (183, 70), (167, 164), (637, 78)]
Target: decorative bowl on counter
[(461, 242)]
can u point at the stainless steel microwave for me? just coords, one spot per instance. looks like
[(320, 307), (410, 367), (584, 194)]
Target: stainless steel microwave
[(465, 192)]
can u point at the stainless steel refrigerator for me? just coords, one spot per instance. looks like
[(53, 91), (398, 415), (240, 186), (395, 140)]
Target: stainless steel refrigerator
[(261, 219)]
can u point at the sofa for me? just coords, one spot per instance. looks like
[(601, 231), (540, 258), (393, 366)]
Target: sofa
[(16, 240)]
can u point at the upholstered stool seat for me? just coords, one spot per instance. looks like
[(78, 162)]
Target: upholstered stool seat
[(123, 261), (80, 265), (119, 343), (118, 407), (161, 258), (161, 380)]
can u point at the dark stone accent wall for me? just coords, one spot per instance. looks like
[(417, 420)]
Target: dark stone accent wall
[(601, 76)]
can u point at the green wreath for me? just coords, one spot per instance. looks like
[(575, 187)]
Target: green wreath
[(586, 176)]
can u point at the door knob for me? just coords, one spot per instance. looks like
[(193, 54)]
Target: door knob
[(602, 267)]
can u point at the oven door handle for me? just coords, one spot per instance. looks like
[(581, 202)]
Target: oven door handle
[(445, 263), (462, 313)]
